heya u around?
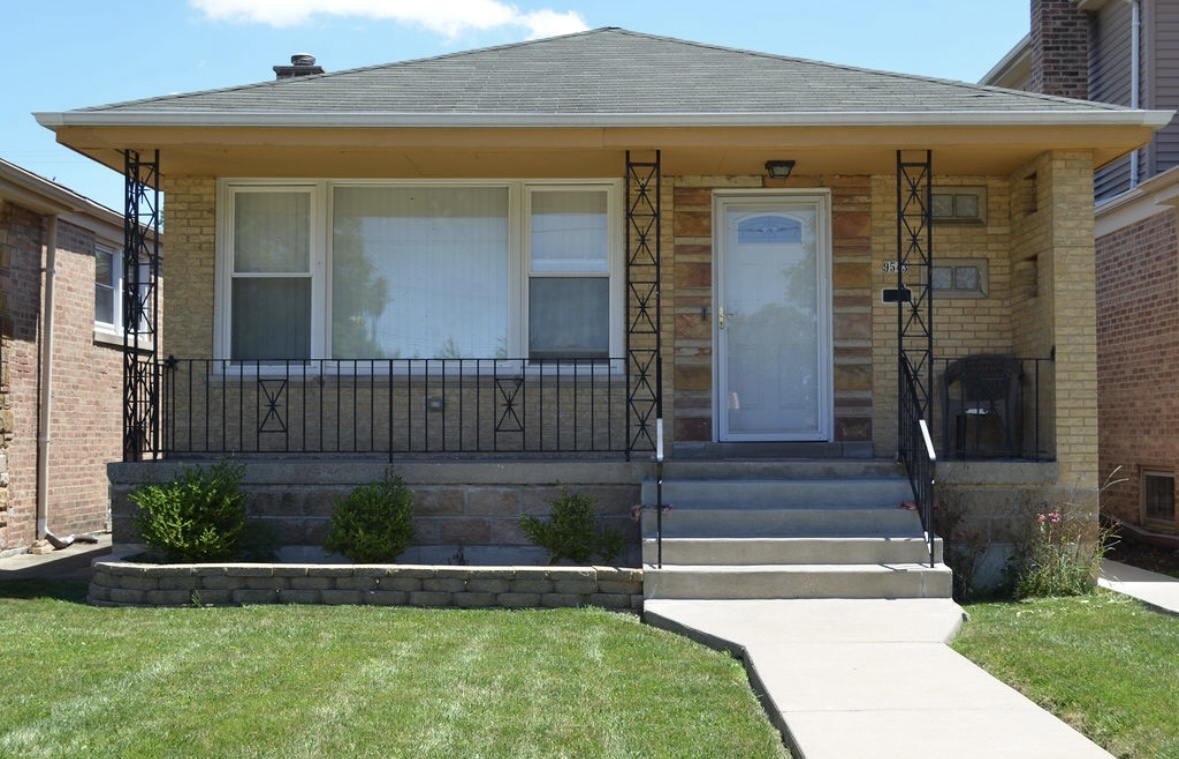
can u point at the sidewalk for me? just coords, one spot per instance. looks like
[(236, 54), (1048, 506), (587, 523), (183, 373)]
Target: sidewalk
[(1159, 591), (72, 562)]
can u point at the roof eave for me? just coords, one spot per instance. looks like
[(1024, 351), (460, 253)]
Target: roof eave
[(1047, 117)]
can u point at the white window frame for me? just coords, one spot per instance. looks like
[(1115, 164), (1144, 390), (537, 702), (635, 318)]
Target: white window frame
[(112, 331), (115, 325), (519, 267)]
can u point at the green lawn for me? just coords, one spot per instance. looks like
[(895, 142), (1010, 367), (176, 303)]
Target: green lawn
[(1105, 663), (307, 681)]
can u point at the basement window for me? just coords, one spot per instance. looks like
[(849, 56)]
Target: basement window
[(1158, 496)]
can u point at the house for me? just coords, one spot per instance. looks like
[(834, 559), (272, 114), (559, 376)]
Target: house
[(588, 258), (61, 359), (1122, 53)]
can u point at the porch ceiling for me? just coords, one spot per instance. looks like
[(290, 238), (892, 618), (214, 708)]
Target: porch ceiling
[(587, 151)]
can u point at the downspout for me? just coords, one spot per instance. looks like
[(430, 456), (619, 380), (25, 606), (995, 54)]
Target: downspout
[(46, 384), (1135, 84)]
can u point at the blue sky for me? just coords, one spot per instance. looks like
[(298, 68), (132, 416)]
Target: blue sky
[(66, 54)]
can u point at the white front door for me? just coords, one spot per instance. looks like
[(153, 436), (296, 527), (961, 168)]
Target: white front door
[(773, 317)]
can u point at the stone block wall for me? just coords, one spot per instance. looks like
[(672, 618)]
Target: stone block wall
[(119, 583), (465, 511)]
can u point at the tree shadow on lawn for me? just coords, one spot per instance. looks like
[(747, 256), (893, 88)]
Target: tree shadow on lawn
[(63, 589)]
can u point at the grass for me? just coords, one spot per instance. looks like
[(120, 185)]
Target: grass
[(1104, 663), (307, 681)]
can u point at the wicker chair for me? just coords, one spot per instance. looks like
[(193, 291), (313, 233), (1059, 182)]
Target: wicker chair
[(980, 387)]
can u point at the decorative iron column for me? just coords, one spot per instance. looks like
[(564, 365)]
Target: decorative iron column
[(644, 360), (141, 270), (914, 270)]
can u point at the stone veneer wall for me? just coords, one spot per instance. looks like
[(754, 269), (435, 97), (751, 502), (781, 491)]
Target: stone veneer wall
[(687, 208), (119, 583), (464, 508)]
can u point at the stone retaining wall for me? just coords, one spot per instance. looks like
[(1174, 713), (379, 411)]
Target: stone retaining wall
[(122, 583)]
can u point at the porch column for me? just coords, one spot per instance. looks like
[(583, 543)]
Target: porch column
[(644, 358), (141, 268)]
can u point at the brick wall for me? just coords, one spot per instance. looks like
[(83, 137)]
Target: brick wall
[(1060, 49), (962, 326), (192, 233), (1138, 338), (87, 383), (22, 290)]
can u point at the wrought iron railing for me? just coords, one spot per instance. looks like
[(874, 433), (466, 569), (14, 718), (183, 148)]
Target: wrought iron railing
[(399, 406), (919, 457), (1003, 412)]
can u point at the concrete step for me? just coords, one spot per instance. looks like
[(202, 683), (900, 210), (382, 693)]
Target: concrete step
[(780, 469), (825, 550), (767, 522), (826, 493), (905, 580)]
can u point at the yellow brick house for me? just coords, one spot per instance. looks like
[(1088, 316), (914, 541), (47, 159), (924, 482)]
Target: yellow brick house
[(609, 259)]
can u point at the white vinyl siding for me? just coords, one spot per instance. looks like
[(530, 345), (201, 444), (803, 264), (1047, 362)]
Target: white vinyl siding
[(1110, 82)]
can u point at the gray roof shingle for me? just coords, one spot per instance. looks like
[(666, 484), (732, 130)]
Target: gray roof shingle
[(605, 72)]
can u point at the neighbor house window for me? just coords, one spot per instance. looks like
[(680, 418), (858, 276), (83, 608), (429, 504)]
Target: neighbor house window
[(1158, 496), (107, 280), (108, 288), (370, 270)]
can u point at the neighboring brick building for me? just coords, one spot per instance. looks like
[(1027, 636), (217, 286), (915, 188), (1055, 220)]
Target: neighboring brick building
[(1123, 53), (61, 483)]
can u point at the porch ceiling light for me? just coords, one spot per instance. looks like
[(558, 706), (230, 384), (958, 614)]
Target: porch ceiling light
[(779, 169)]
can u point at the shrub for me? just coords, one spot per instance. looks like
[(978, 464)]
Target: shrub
[(374, 523), (572, 530), (200, 516)]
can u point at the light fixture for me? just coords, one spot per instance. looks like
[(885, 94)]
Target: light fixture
[(779, 169)]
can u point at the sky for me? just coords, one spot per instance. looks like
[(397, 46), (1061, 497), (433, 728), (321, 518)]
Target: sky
[(67, 54)]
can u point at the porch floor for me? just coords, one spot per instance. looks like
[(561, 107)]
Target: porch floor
[(872, 678)]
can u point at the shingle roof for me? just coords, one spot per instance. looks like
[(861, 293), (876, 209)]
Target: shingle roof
[(605, 72)]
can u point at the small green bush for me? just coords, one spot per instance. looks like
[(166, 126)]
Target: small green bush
[(572, 530), (200, 516), (374, 523)]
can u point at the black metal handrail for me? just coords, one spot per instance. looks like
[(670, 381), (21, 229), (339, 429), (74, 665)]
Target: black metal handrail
[(919, 457), (399, 406)]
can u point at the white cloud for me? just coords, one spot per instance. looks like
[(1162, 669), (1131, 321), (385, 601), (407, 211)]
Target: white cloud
[(450, 18)]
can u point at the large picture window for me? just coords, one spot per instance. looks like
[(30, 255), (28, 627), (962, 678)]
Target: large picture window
[(366, 270)]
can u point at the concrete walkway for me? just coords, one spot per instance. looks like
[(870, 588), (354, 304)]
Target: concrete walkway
[(73, 561), (1159, 591), (873, 678), (852, 678)]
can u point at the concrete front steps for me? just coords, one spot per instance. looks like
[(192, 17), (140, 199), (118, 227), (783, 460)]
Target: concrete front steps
[(797, 529)]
